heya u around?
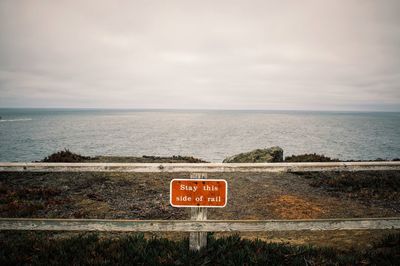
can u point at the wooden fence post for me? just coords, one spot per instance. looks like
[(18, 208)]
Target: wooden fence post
[(198, 240)]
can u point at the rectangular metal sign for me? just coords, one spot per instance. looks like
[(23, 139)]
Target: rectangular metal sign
[(198, 193)]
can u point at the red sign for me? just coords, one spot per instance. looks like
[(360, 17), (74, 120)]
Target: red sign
[(198, 193)]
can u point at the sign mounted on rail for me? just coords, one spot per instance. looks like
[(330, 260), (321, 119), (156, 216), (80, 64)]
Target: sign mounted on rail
[(211, 193)]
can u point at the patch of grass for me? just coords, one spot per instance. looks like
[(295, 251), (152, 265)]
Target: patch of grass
[(26, 202), (65, 156), (92, 249), (146, 159), (364, 185), (313, 157), (381, 185), (174, 159), (386, 252)]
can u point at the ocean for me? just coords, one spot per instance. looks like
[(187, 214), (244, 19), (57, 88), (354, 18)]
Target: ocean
[(32, 134)]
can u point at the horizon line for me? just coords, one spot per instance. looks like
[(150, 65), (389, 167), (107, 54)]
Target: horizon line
[(200, 109)]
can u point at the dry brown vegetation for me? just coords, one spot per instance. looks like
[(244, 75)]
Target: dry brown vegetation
[(251, 196)]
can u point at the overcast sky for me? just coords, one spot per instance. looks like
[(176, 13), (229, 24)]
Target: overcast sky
[(301, 55)]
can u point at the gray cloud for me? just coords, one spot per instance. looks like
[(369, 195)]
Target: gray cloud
[(336, 55)]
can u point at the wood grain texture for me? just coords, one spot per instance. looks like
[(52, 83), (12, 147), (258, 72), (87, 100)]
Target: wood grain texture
[(198, 240), (197, 226), (199, 167)]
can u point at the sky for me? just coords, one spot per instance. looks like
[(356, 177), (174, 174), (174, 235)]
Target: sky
[(269, 55)]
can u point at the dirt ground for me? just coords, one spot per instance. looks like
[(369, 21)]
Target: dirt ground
[(146, 196)]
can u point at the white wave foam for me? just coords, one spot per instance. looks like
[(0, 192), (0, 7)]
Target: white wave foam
[(15, 120)]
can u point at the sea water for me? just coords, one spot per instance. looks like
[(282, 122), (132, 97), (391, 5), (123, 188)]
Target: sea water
[(32, 134)]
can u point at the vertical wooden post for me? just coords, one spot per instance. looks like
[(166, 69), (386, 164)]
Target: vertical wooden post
[(198, 240)]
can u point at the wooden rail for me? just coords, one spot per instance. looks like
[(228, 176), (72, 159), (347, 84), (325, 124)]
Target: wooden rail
[(199, 167), (197, 226)]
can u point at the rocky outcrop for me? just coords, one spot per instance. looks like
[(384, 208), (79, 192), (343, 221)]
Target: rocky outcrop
[(269, 155)]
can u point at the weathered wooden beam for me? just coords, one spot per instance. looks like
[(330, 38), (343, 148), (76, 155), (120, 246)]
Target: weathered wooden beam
[(197, 226), (199, 167), (198, 240)]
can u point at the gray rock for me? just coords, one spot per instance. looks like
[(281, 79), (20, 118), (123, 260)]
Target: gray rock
[(269, 155)]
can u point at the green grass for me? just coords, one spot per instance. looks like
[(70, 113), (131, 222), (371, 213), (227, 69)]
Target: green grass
[(66, 156), (312, 157), (121, 249)]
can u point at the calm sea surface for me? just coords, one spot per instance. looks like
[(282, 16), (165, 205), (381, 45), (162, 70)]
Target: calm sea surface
[(32, 134)]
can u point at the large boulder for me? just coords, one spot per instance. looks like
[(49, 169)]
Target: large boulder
[(269, 155)]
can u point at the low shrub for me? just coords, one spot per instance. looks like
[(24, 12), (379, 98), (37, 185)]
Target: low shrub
[(174, 159), (309, 158), (65, 156)]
